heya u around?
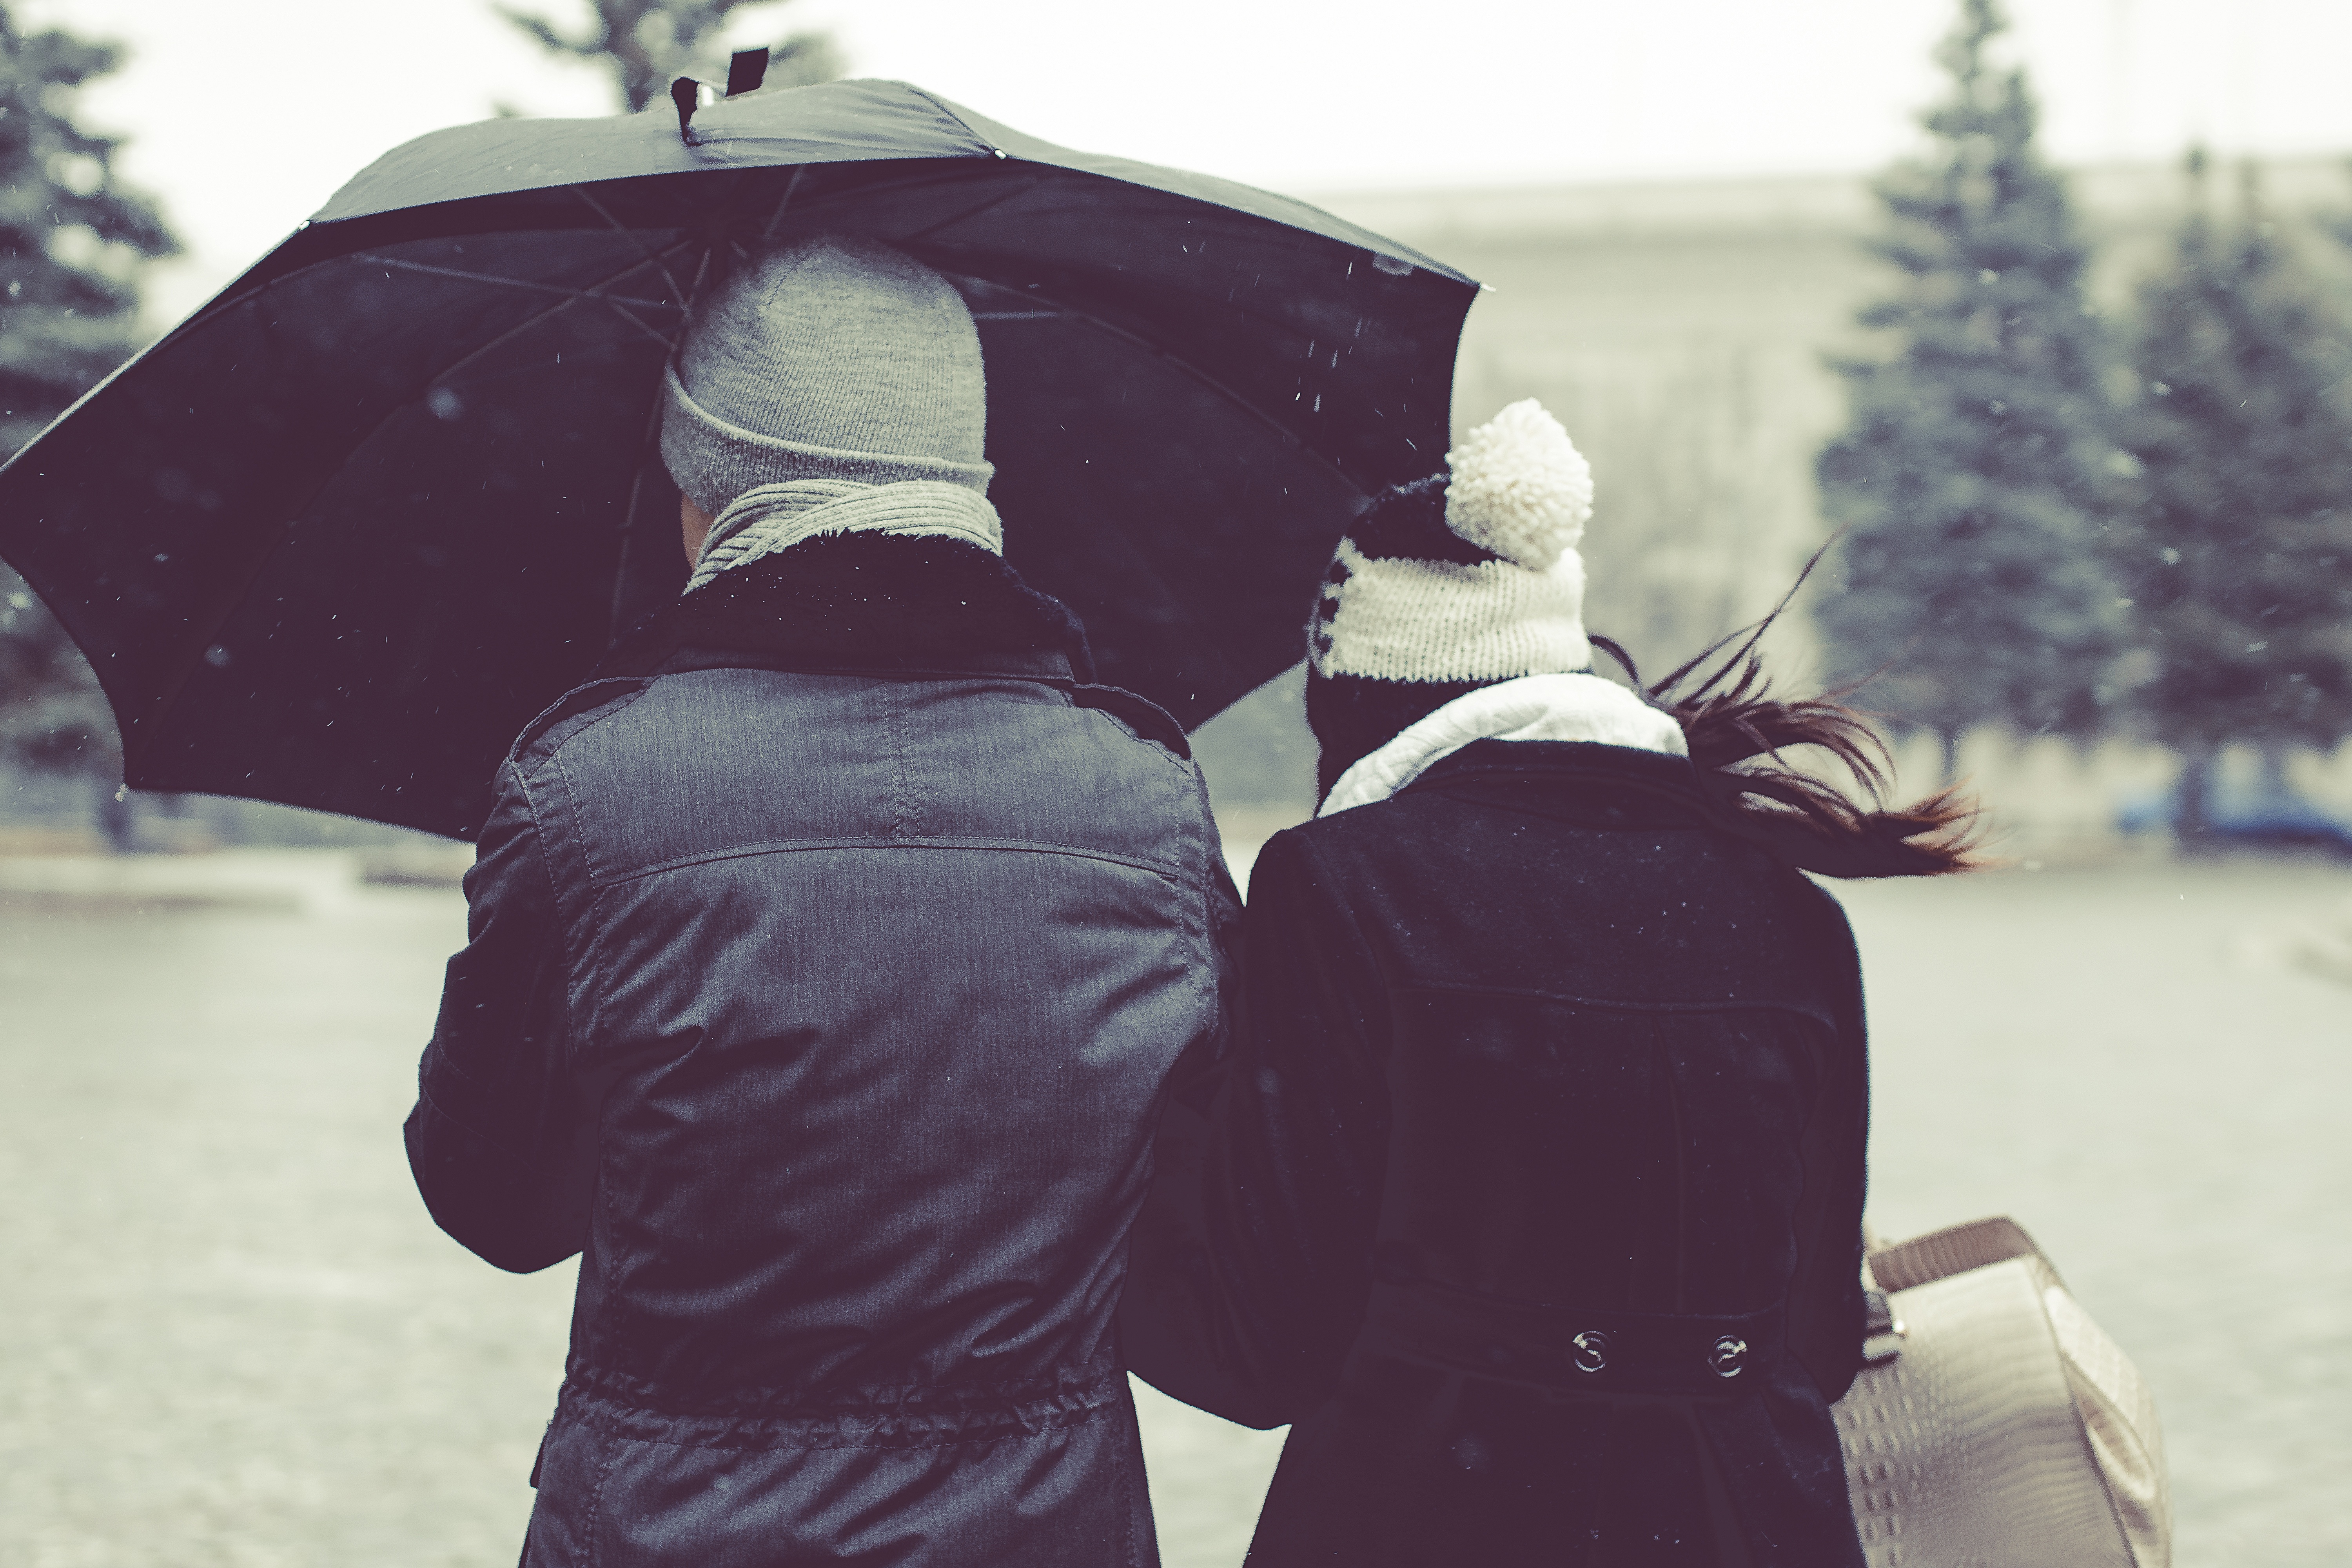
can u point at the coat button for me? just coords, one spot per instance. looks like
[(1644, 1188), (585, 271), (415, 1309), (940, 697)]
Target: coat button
[(1592, 1350), (1727, 1356)]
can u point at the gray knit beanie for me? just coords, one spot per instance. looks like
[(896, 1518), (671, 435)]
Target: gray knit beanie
[(828, 358)]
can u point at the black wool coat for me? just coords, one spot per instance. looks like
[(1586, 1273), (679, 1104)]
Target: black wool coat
[(1531, 1191), (828, 957)]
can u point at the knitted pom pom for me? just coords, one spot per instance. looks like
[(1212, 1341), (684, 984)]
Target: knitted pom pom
[(1520, 487)]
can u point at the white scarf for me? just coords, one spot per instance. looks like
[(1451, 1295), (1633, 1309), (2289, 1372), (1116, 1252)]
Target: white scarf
[(1532, 708), (769, 518)]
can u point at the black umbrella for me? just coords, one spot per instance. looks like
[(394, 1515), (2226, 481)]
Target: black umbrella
[(336, 538)]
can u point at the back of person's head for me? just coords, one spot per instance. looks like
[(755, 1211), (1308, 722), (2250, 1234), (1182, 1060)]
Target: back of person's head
[(825, 358), (1471, 578), (1452, 583)]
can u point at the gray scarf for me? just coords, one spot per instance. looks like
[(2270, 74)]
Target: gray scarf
[(769, 518)]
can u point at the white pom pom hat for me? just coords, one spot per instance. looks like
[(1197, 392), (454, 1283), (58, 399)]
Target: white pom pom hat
[(1469, 575)]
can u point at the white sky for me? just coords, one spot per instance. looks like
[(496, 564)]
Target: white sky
[(245, 114)]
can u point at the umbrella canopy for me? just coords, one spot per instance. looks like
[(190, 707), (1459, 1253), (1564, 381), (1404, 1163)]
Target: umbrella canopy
[(337, 537)]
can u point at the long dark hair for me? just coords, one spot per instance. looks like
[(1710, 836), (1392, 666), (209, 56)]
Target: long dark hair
[(1737, 730)]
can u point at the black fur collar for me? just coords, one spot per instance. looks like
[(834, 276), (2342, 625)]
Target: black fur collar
[(859, 593)]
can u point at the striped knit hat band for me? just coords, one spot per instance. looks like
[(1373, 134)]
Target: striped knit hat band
[(1472, 575)]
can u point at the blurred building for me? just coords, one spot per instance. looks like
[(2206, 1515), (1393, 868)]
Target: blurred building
[(1682, 330)]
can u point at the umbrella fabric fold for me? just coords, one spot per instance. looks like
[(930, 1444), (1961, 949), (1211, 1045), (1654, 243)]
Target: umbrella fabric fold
[(337, 537)]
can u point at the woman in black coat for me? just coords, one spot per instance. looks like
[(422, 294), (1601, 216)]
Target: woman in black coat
[(1531, 1194)]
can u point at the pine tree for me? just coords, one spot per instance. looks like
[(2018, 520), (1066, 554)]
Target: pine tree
[(1978, 467), (647, 44), (72, 241), (2239, 555)]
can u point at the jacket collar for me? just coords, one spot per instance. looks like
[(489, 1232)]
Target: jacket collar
[(1670, 780), (1578, 783), (1049, 665), (1577, 707), (865, 603), (1636, 788)]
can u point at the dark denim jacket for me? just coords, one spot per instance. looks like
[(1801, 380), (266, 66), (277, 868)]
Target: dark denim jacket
[(829, 1012)]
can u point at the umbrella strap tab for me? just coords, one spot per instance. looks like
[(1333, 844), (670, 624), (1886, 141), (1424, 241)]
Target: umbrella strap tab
[(687, 93), (746, 69)]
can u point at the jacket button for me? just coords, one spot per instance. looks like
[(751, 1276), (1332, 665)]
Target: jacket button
[(1592, 1350), (1727, 1356)]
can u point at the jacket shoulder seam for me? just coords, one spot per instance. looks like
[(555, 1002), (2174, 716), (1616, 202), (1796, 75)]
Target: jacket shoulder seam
[(576, 711)]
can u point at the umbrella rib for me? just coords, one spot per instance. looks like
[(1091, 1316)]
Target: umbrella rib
[(1230, 395), (618, 227), (1203, 377), (162, 700), (589, 293), (701, 272), (661, 338), (524, 326), (865, 190), (792, 188), (998, 200), (649, 442)]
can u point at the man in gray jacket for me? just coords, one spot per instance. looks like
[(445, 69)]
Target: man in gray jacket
[(827, 957)]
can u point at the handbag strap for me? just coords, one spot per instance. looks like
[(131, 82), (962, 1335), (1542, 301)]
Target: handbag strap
[(1943, 1253)]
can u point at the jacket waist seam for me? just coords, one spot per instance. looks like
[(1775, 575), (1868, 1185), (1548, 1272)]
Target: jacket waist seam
[(1168, 870), (769, 1440), (963, 1416)]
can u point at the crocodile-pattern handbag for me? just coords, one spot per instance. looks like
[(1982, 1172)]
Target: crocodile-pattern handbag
[(1994, 1423)]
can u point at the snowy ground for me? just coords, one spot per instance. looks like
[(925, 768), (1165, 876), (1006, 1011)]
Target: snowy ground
[(234, 1337)]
